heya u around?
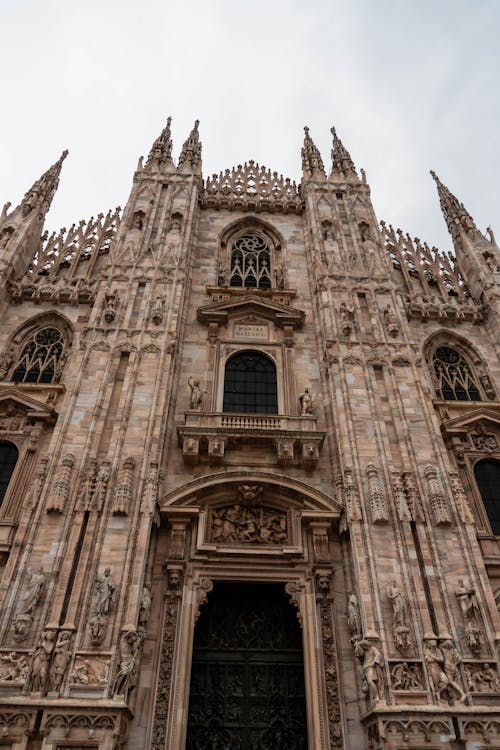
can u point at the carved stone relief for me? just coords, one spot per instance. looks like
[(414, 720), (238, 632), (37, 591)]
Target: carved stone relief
[(443, 664), (257, 524), (329, 660), (13, 666), (482, 440), (406, 676), (89, 670), (482, 678), (31, 597)]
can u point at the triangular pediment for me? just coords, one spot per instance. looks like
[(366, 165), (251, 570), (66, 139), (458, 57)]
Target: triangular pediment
[(466, 422), (221, 312), (33, 407)]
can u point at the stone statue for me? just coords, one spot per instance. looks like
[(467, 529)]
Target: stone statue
[(398, 604), (372, 669), (97, 629), (406, 677), (60, 660), (157, 310), (346, 318), (434, 660), (41, 660), (145, 605), (353, 616), (306, 402), (279, 275), (104, 592), (466, 596), (125, 678), (33, 592), (196, 394), (452, 661)]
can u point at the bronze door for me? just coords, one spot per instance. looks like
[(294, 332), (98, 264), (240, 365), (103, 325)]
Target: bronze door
[(247, 678)]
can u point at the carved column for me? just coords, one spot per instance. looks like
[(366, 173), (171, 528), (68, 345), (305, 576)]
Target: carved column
[(324, 604), (122, 498), (171, 615)]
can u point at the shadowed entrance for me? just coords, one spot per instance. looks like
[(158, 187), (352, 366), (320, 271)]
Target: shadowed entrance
[(247, 679)]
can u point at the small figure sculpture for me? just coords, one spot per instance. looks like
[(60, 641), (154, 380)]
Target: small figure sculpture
[(13, 667), (221, 273), (33, 592), (306, 402), (353, 617), (196, 394), (82, 673), (110, 301), (398, 604), (372, 669), (60, 660), (473, 636), (104, 592), (145, 605), (6, 364), (97, 629), (391, 321), (279, 275), (486, 680), (406, 677)]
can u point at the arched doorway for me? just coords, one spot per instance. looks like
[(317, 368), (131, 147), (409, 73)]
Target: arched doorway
[(247, 677)]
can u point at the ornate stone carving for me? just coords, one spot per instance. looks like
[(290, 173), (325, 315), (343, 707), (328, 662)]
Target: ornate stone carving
[(122, 496), (13, 667), (406, 676), (320, 541), (89, 671), (6, 362), (101, 485), (151, 487), (439, 506), (331, 670), (487, 386), (306, 400), (59, 492), (13, 418), (482, 678), (162, 703), (376, 496), (466, 596), (31, 598), (400, 629), (371, 670), (483, 440), (196, 397), (87, 486), (295, 591), (257, 524), (39, 476), (130, 650), (413, 496), (323, 578)]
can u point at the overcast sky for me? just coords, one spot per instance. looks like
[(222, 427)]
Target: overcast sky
[(410, 86)]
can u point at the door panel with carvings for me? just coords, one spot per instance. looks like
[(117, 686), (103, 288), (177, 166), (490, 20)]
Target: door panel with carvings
[(247, 680)]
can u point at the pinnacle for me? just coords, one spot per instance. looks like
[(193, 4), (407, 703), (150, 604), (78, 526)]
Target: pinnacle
[(191, 150), (42, 191), (342, 163), (455, 214), (161, 151), (312, 163)]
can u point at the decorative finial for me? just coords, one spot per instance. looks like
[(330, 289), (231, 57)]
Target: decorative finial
[(42, 191), (161, 151), (191, 151), (457, 218)]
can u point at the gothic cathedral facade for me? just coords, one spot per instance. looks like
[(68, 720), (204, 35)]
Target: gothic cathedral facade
[(249, 468)]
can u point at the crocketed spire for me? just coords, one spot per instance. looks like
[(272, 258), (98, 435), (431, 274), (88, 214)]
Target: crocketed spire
[(40, 195), (161, 151), (342, 163), (190, 157), (312, 163), (455, 214)]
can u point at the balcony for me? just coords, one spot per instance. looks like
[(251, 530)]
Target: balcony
[(295, 440)]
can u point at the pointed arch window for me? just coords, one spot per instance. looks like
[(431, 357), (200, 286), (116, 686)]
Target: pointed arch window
[(455, 379), (41, 357), (250, 384), (250, 262), (487, 474), (8, 459)]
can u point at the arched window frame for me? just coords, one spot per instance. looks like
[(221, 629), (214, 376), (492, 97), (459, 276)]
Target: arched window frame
[(473, 363), (265, 235), (272, 353), (15, 349), (8, 443), (258, 353)]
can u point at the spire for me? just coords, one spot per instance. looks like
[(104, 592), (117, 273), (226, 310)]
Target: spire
[(41, 193), (342, 164), (161, 151), (190, 157), (312, 163), (456, 215)]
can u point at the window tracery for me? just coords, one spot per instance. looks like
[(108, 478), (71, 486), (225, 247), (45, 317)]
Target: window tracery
[(250, 262), (454, 376), (41, 357)]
